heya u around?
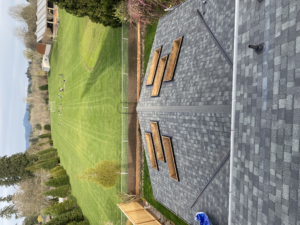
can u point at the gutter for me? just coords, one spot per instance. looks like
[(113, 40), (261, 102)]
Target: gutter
[(235, 57)]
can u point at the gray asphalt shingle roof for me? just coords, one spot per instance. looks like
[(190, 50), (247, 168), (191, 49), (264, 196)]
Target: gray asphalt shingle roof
[(266, 162), (194, 110)]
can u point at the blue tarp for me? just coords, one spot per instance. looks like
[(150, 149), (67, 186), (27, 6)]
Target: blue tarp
[(203, 218)]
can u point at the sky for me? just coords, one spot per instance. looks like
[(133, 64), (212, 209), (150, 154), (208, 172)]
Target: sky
[(13, 88)]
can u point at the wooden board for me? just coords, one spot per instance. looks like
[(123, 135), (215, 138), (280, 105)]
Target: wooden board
[(170, 157), (159, 75), (157, 141), (173, 59), (151, 150), (129, 207), (155, 222), (153, 66)]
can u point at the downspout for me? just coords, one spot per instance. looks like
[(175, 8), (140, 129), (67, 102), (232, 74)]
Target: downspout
[(235, 57)]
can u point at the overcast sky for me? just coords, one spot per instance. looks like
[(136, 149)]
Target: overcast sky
[(13, 88)]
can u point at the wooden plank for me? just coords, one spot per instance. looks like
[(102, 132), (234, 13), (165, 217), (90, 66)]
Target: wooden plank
[(173, 59), (159, 75), (157, 141), (129, 207), (170, 157), (151, 150), (153, 66), (140, 217), (150, 223), (139, 65)]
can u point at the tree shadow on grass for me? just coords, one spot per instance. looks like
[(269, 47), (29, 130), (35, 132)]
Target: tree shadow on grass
[(106, 57), (111, 210), (74, 198)]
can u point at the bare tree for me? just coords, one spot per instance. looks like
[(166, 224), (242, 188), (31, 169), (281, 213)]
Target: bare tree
[(28, 199), (47, 36), (26, 15), (16, 11), (20, 32)]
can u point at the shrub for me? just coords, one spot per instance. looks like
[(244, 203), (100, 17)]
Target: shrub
[(61, 192), (57, 181), (56, 169), (58, 173), (47, 135), (33, 140), (43, 87), (46, 151), (60, 208), (142, 11), (48, 156), (38, 126), (105, 174), (47, 127), (99, 11), (66, 218), (79, 223)]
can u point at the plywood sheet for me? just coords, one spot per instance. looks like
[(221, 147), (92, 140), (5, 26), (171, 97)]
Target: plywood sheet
[(170, 157), (153, 66), (173, 59), (157, 141), (132, 206), (151, 152), (159, 75), (140, 217)]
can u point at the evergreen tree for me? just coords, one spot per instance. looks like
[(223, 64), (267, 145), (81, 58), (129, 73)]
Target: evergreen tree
[(46, 151), (49, 164), (8, 198), (9, 181), (58, 173), (12, 169), (47, 127), (60, 208), (98, 11), (79, 223), (46, 142), (33, 141), (47, 135), (43, 87), (60, 192), (56, 169), (31, 220), (57, 181), (8, 211), (46, 164), (66, 218), (48, 156)]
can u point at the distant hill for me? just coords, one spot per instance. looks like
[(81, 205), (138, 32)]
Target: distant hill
[(27, 126)]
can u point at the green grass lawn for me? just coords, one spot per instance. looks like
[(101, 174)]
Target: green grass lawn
[(147, 187), (91, 125), (151, 29)]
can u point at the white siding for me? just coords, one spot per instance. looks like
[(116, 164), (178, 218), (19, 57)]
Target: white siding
[(42, 5)]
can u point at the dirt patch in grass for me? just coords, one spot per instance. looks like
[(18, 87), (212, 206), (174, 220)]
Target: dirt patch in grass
[(132, 117)]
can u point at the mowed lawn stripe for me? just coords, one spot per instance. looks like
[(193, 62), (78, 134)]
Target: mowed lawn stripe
[(91, 125)]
